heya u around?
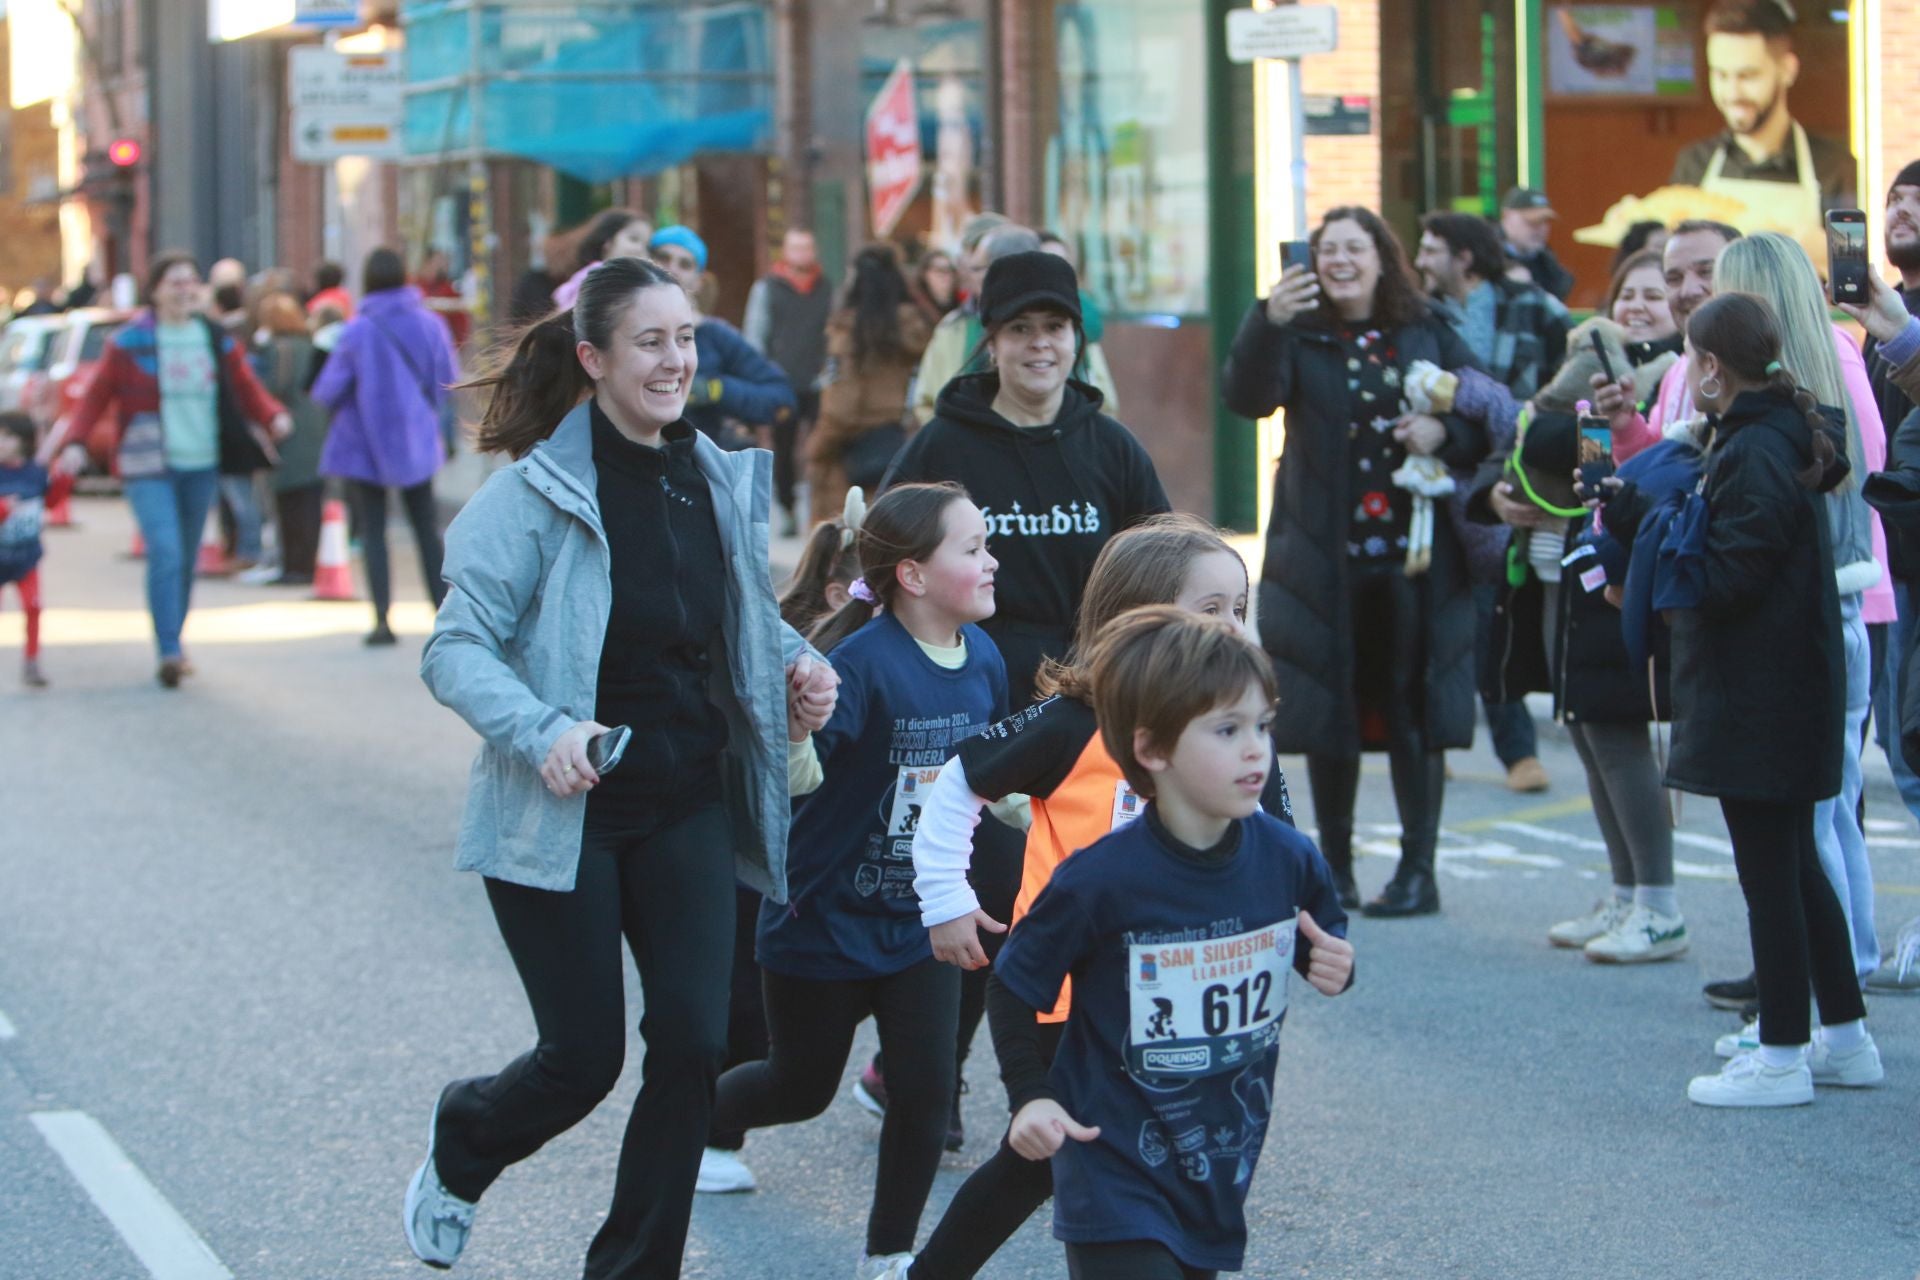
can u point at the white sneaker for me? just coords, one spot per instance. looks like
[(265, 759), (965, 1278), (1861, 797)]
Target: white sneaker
[(1643, 935), (723, 1172), (1858, 1068), (1748, 1082), (436, 1221), (1606, 913), (1735, 1043), (886, 1266)]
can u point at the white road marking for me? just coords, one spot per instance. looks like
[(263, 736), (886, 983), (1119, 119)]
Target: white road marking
[(1549, 834), (1884, 826), (1892, 842), (156, 1233), (7, 1031), (1716, 844), (1702, 871)]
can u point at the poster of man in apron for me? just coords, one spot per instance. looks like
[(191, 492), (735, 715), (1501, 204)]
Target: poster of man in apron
[(1766, 159)]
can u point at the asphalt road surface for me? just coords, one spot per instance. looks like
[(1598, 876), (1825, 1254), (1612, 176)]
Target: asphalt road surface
[(235, 968)]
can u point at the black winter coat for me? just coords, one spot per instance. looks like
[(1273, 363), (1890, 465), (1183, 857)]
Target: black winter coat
[(1759, 681), (1305, 617)]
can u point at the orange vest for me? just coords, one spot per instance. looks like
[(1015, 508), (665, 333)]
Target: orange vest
[(1092, 800)]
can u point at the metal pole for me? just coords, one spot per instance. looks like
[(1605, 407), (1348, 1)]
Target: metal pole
[(1297, 105), (479, 221)]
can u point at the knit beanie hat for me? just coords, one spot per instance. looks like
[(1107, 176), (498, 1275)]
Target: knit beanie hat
[(682, 238), (1021, 281), (1907, 177)]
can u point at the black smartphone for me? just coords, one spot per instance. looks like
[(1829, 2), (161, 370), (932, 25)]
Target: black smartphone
[(1847, 255), (1595, 428), (1600, 350), (605, 751), (1295, 253)]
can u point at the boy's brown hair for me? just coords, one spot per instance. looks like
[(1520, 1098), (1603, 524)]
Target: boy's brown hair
[(1159, 668)]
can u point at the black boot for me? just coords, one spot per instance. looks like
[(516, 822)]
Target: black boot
[(1336, 844), (1412, 892)]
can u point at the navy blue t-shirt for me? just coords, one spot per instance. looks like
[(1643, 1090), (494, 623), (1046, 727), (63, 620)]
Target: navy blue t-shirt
[(23, 492), (1180, 973), (851, 911)]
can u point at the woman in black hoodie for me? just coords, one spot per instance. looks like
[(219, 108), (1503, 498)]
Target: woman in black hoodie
[(1758, 695), (1055, 477), (1372, 651)]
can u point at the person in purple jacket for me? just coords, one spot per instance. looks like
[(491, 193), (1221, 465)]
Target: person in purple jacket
[(385, 383)]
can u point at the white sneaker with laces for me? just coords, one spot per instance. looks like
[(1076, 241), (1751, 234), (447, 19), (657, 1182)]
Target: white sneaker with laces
[(886, 1266), (1748, 1082), (723, 1173), (1858, 1068), (1577, 933), (1735, 1043), (436, 1221), (1643, 935)]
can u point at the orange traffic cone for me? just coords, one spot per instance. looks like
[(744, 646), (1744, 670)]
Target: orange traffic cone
[(213, 557), (332, 570)]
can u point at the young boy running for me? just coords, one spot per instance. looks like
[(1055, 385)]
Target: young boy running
[(1178, 932)]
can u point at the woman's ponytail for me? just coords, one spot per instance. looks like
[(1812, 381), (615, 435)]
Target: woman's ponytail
[(1781, 381), (533, 380)]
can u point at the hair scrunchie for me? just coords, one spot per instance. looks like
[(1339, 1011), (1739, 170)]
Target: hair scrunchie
[(852, 516), (862, 592), (1773, 367)]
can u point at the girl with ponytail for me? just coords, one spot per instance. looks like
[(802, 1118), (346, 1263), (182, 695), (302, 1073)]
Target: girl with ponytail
[(920, 678), (1759, 698), (613, 574)]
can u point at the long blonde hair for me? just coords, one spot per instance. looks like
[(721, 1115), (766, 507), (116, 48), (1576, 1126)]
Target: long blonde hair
[(1775, 268)]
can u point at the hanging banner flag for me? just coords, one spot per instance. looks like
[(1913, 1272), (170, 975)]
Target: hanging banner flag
[(893, 150)]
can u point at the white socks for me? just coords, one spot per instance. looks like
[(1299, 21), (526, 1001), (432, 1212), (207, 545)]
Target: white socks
[(1846, 1037), (1778, 1057), (1662, 901)]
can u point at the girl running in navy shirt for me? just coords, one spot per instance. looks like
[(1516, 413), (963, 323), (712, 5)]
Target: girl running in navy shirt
[(917, 677)]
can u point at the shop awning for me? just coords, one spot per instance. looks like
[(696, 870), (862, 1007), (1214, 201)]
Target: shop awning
[(599, 91)]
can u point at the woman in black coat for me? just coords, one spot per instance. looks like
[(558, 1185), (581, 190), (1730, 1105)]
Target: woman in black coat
[(1369, 655), (1758, 697)]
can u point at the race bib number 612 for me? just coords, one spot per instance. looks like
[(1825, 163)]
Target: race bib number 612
[(1201, 1008)]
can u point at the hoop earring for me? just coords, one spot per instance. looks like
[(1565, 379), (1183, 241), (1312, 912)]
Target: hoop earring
[(1714, 392)]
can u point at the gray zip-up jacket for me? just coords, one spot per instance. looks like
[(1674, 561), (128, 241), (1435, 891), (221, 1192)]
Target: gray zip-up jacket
[(516, 652)]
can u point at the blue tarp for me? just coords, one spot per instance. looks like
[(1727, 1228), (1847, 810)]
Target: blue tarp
[(599, 91)]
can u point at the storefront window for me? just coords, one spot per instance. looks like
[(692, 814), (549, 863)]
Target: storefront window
[(1126, 177)]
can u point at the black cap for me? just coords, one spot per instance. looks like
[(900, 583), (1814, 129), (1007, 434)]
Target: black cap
[(1907, 177), (1527, 198), (1021, 281)]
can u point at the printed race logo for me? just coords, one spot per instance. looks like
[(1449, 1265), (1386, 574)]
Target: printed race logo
[(1149, 969)]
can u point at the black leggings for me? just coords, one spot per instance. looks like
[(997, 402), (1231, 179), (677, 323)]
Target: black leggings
[(746, 1012), (671, 895), (1129, 1260), (370, 512), (1799, 934), (299, 512), (994, 1202), (810, 1024)]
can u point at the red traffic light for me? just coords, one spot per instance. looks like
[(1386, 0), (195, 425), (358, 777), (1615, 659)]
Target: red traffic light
[(124, 152)]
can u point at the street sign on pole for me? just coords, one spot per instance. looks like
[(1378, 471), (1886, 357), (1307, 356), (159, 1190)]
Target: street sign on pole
[(344, 104), (893, 149), (1287, 31)]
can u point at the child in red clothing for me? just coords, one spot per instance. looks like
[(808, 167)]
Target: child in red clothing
[(26, 491)]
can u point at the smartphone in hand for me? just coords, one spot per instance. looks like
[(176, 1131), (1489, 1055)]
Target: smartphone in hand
[(604, 752), (1847, 255), (1295, 253)]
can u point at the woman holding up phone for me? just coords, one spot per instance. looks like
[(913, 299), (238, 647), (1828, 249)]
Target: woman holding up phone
[(613, 573), (1370, 653)]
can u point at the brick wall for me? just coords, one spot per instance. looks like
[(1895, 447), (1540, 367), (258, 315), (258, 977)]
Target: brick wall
[(29, 232), (1899, 54), (1347, 170)]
